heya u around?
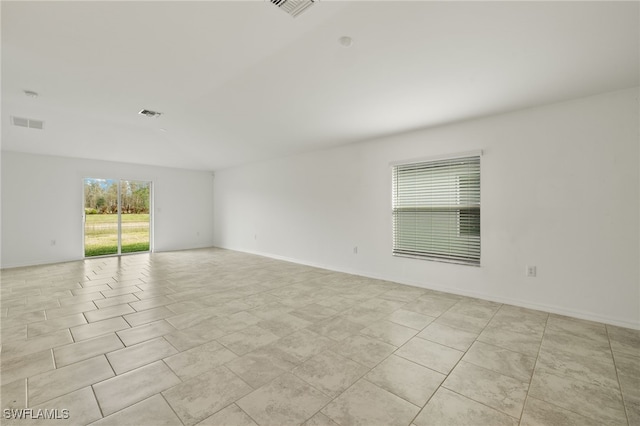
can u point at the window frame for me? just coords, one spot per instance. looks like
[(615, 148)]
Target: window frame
[(452, 256)]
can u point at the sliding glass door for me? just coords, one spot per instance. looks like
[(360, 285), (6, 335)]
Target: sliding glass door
[(117, 216), (135, 217)]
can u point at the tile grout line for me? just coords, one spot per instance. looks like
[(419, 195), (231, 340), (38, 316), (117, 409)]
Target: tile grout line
[(533, 370), (93, 391), (173, 371), (458, 362), (53, 358), (371, 369), (167, 402), (327, 395), (615, 367), (558, 374), (248, 415), (338, 396), (26, 392)]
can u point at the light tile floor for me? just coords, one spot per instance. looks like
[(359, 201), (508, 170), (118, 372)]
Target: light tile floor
[(216, 337)]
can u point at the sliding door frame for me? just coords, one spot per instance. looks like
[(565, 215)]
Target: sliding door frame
[(119, 213)]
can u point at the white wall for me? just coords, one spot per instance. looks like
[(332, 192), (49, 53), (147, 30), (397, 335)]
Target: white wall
[(560, 187), (42, 200)]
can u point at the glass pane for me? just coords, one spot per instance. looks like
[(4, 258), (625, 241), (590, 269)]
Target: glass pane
[(100, 217), (135, 201), (436, 209)]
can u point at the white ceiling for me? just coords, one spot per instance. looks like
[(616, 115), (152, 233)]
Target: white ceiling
[(240, 81)]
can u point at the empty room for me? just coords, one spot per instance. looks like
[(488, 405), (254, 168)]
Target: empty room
[(299, 212)]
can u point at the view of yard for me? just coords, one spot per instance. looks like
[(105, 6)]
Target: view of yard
[(103, 198), (101, 234)]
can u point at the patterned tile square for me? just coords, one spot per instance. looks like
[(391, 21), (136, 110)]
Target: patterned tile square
[(285, 400), (330, 373), (406, 379), (303, 344), (21, 348), (500, 392), (596, 402), (365, 350), (503, 361), (410, 319), (108, 312), (99, 328), (248, 339), (367, 404), (82, 405), (144, 353), (537, 412), (232, 415), (448, 336), (139, 384), (152, 411), (51, 384), (389, 332), (449, 408), (200, 397), (14, 394), (431, 355), (45, 327), (200, 359), (26, 366), (261, 366), (138, 334), (74, 352)]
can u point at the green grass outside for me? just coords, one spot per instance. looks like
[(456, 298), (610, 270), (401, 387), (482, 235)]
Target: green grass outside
[(101, 234), (113, 218), (105, 250)]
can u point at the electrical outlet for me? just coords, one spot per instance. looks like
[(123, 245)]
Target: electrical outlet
[(355, 250), (531, 271), (53, 242)]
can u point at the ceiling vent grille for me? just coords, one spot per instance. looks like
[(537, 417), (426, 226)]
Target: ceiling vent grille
[(293, 7), (27, 122), (150, 113)]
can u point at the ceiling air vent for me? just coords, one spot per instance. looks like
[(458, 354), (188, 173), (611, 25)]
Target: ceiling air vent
[(293, 7), (150, 113), (27, 122)]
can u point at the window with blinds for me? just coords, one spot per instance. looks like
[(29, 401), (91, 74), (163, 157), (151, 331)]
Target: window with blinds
[(436, 210)]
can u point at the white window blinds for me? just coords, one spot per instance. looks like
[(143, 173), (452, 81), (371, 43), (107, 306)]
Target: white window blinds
[(436, 210)]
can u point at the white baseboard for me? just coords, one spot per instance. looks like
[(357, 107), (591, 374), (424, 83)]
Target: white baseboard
[(38, 263), (43, 262), (589, 316)]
